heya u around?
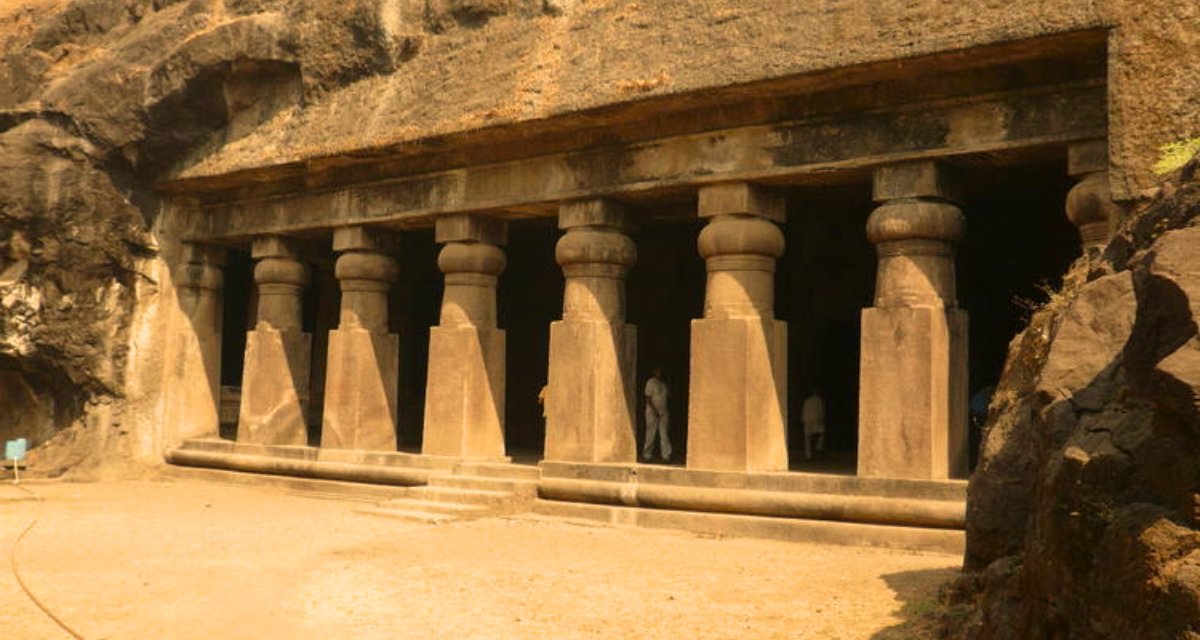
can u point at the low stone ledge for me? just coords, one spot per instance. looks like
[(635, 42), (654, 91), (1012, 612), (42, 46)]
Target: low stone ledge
[(920, 539), (397, 459), (944, 514), (302, 468), (818, 483)]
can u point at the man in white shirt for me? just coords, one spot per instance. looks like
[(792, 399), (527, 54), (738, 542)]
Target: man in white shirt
[(657, 416), (812, 416)]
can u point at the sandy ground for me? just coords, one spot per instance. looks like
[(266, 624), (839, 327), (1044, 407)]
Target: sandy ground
[(181, 560)]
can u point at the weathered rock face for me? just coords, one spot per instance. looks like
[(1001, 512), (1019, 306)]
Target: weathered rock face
[(97, 98), (1084, 514)]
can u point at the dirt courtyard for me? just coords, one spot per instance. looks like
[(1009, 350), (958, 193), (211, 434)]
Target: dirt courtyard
[(187, 559)]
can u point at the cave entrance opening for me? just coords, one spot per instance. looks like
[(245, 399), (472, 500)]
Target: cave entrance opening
[(1018, 247), (665, 292), (823, 281), (529, 297), (415, 304)]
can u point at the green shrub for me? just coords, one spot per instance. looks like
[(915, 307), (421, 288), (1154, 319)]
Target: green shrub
[(1175, 155)]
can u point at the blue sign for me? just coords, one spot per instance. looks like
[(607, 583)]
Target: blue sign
[(14, 449)]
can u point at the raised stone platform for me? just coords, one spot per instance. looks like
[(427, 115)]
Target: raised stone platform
[(393, 468), (805, 507), (831, 509)]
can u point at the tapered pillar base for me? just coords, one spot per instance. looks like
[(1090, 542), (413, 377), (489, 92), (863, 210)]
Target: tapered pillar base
[(913, 393), (361, 385), (464, 398), (737, 406), (275, 387), (591, 411), (194, 386)]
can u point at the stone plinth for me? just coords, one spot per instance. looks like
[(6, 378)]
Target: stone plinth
[(194, 379), (913, 374), (464, 395), (737, 403), (361, 386), (275, 379), (591, 406), (362, 373), (590, 412), (913, 394), (464, 399), (738, 395), (275, 387)]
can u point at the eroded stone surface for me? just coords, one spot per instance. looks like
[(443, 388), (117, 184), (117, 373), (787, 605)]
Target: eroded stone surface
[(1082, 517)]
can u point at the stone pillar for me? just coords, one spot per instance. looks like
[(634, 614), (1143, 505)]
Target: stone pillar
[(738, 401), (194, 384), (591, 408), (913, 376), (1090, 205), (464, 396), (361, 380), (278, 353)]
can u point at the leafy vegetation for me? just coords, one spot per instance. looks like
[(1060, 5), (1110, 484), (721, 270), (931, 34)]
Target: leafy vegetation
[(1175, 155)]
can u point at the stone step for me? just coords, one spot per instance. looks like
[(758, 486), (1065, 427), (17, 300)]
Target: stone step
[(446, 510), (517, 487), (793, 482), (421, 517), (947, 541), (498, 470), (479, 497)]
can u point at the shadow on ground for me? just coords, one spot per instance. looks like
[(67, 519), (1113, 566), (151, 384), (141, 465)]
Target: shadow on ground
[(924, 618)]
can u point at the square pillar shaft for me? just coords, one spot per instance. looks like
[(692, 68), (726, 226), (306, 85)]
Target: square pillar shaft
[(361, 378), (464, 396), (913, 374), (194, 378), (737, 403), (275, 384), (591, 403), (737, 407), (278, 363), (913, 393)]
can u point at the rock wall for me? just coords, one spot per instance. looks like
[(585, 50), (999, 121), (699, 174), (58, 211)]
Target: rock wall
[(1084, 513), (97, 98)]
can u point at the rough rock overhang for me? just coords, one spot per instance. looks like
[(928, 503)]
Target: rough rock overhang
[(993, 104)]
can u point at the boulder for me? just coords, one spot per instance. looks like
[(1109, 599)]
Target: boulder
[(1084, 511)]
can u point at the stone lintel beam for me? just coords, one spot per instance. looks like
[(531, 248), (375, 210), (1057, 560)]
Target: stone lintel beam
[(794, 149)]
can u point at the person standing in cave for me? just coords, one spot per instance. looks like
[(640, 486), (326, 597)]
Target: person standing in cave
[(657, 416), (812, 418)]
